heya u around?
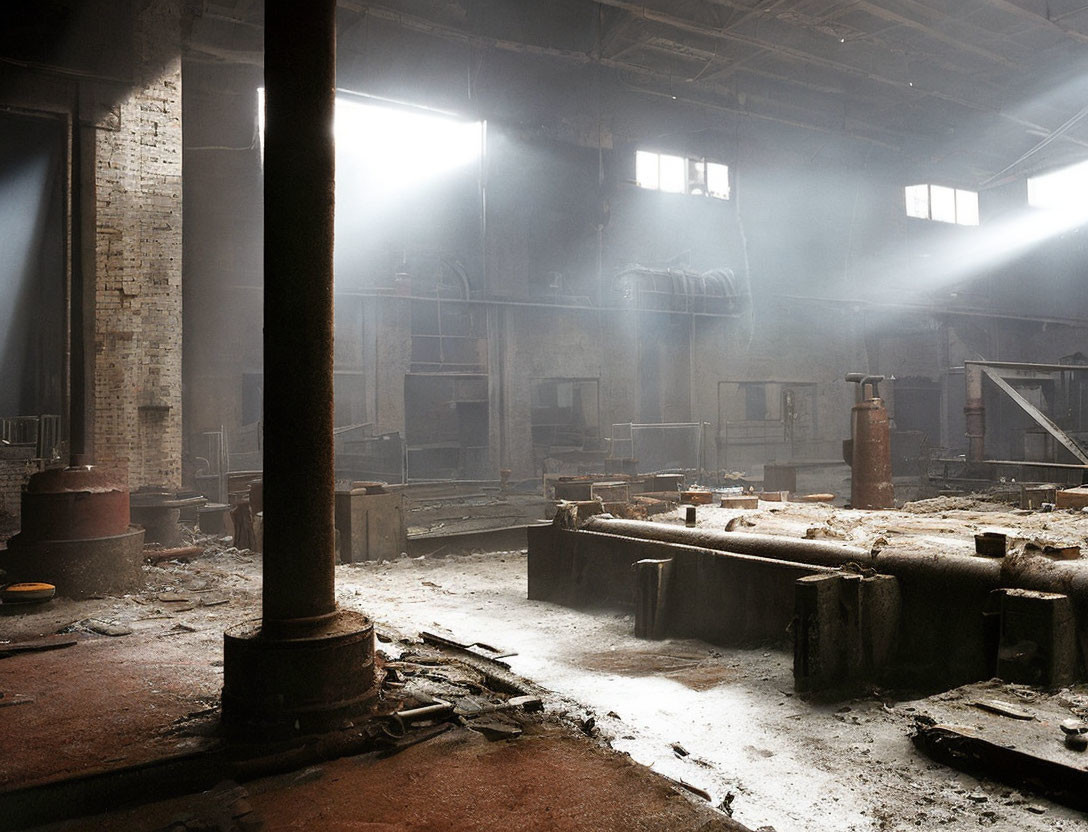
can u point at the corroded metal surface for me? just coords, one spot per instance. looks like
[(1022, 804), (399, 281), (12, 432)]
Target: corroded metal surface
[(304, 684), (871, 465), (74, 504)]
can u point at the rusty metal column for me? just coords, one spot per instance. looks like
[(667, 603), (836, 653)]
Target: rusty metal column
[(305, 666), (974, 412), (300, 82)]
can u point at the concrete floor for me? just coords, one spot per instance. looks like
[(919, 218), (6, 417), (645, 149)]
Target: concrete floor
[(774, 759), (779, 760)]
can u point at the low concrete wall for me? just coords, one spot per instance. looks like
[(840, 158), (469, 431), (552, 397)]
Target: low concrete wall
[(720, 597)]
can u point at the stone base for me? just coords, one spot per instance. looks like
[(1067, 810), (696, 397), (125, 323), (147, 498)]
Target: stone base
[(79, 568), (276, 687)]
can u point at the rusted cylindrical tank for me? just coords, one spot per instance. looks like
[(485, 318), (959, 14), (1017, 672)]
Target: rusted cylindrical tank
[(74, 504), (871, 465), (76, 534)]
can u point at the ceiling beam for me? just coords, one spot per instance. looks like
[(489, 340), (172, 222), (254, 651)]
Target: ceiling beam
[(638, 9), (1039, 20), (887, 137), (890, 16), (414, 23)]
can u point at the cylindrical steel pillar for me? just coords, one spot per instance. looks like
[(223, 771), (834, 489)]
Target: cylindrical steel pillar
[(306, 667), (299, 168)]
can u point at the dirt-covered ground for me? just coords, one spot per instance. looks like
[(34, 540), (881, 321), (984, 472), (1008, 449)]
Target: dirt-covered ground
[(723, 720)]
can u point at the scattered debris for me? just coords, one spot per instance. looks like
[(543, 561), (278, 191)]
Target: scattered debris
[(1004, 708), (1076, 742), (105, 628), (496, 728), (182, 554), (12, 649)]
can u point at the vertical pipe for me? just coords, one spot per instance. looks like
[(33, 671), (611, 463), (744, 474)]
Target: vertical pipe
[(80, 299), (300, 81), (975, 412)]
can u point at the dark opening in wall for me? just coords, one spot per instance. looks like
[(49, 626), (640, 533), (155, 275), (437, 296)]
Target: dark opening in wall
[(32, 265)]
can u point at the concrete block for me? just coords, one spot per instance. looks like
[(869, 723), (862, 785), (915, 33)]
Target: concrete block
[(779, 477), (845, 629), (743, 501), (370, 526), (652, 597), (818, 658), (1037, 642), (1034, 497)]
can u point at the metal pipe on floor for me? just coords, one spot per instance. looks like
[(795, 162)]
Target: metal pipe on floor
[(1038, 573), (761, 545)]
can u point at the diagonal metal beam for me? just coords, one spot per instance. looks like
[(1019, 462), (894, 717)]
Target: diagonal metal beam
[(1041, 418)]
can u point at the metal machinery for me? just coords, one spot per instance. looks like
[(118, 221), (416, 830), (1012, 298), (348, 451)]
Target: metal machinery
[(868, 451)]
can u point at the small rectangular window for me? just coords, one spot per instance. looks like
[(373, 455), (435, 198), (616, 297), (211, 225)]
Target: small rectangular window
[(942, 203), (681, 175)]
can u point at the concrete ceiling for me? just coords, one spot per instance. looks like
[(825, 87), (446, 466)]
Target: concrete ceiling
[(1001, 83)]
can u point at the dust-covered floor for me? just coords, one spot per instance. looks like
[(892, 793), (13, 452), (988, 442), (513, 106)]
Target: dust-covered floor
[(724, 720), (727, 720)]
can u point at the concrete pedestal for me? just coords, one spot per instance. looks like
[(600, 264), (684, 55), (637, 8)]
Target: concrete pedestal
[(370, 526)]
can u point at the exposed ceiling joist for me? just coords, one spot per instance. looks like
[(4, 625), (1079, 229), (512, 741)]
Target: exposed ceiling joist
[(1036, 18)]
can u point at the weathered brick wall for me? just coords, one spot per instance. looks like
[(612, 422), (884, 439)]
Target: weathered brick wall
[(137, 389), (16, 466)]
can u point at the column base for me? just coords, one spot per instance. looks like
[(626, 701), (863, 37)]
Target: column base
[(283, 686), (79, 568)]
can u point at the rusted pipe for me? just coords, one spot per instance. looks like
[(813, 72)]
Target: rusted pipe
[(771, 546), (1037, 573)]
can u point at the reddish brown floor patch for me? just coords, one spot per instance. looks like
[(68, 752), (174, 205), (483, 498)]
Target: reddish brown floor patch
[(103, 703), (459, 782)]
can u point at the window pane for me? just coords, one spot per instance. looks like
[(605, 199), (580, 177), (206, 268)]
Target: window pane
[(1061, 189), (717, 180), (918, 201), (942, 203), (646, 169), (672, 174), (697, 177), (966, 207)]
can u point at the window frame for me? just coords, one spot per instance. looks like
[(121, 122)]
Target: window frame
[(697, 173)]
